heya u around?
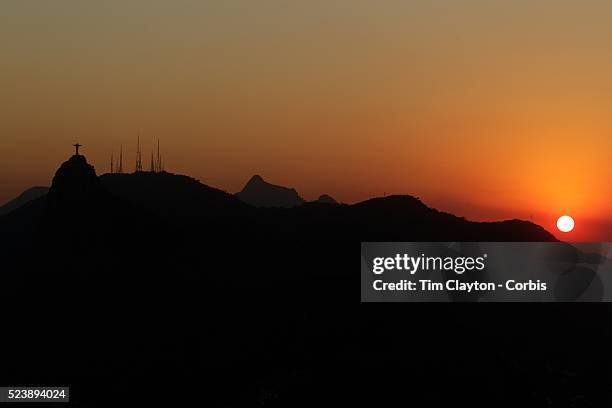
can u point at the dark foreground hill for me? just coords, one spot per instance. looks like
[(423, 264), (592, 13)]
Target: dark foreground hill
[(171, 195), (111, 283)]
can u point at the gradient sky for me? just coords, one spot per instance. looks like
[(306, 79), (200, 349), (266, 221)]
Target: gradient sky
[(487, 109)]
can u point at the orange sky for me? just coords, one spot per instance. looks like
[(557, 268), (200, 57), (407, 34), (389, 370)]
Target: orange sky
[(484, 109)]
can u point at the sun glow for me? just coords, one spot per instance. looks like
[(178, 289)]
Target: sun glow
[(565, 223)]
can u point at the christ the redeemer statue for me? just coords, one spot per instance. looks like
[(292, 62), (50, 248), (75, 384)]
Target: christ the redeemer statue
[(77, 148)]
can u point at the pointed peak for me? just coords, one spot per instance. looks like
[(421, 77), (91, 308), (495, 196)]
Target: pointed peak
[(260, 193), (256, 179)]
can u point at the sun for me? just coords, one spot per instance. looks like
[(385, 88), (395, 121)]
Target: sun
[(565, 223)]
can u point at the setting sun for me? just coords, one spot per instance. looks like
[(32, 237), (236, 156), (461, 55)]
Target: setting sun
[(565, 223)]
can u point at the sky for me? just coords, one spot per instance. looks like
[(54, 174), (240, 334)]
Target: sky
[(486, 109)]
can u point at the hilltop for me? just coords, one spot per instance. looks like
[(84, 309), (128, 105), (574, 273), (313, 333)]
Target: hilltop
[(172, 195), (259, 193), (270, 211)]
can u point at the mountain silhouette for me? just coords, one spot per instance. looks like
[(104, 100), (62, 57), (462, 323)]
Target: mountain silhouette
[(78, 212), (160, 279), (422, 223), (23, 198), (326, 199), (114, 201), (76, 187), (171, 195), (399, 218), (259, 193)]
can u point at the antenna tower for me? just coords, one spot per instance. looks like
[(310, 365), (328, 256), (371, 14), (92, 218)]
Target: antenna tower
[(120, 167), (138, 157)]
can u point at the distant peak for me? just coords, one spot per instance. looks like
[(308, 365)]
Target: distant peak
[(326, 199), (260, 193), (256, 179)]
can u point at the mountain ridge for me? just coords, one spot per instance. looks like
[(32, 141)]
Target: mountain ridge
[(259, 193), (26, 196), (185, 201)]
